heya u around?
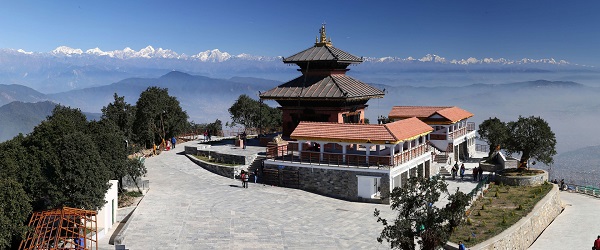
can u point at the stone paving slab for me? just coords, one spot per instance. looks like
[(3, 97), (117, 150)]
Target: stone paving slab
[(576, 227), (188, 207)]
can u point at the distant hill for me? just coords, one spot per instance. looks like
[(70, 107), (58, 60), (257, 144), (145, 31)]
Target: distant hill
[(204, 98), (15, 92), (20, 117)]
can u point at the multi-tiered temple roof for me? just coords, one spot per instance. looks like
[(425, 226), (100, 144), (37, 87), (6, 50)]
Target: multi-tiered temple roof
[(323, 77)]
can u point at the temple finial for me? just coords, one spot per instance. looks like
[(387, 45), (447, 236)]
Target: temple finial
[(323, 41)]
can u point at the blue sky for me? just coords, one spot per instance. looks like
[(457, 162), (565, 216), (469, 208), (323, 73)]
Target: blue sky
[(567, 30)]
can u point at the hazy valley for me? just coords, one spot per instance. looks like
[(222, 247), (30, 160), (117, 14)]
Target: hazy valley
[(566, 98)]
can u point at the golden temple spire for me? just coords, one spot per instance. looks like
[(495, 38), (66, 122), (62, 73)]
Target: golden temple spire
[(322, 39)]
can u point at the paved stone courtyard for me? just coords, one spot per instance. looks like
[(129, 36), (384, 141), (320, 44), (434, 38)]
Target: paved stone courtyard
[(188, 207)]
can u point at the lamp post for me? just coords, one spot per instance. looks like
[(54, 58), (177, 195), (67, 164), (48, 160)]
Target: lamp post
[(162, 124), (260, 103)]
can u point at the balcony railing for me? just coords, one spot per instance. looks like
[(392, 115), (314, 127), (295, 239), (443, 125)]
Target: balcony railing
[(287, 153), (436, 135)]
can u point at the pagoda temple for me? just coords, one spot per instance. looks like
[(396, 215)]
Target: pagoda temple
[(324, 93)]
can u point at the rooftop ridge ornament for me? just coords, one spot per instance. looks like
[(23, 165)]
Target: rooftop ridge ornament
[(322, 38)]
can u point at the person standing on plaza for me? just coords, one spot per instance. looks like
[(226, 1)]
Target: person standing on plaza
[(475, 174), (255, 175), (462, 171), (173, 141), (243, 137), (454, 170), (597, 243), (461, 246), (242, 178), (479, 174), (246, 177)]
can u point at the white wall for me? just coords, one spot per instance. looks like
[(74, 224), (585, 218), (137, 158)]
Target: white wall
[(107, 215)]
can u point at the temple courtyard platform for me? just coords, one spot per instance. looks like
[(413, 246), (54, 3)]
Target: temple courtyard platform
[(188, 207)]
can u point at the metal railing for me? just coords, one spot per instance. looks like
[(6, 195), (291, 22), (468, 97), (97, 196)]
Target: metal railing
[(482, 148), (589, 190), (286, 153)]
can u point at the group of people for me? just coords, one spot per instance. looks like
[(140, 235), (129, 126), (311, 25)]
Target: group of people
[(561, 185), (456, 170), (207, 135), (245, 176), (165, 145)]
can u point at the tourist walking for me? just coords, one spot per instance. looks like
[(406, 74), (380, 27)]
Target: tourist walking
[(243, 178), (597, 244), (475, 174), (461, 246), (205, 135), (255, 175), (173, 141), (479, 174), (462, 171), (246, 177), (454, 170)]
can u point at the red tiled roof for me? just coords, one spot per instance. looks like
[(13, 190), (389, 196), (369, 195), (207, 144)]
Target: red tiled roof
[(455, 114), (360, 133), (452, 114)]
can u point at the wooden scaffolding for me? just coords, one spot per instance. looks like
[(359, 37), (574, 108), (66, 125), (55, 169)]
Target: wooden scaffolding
[(62, 228)]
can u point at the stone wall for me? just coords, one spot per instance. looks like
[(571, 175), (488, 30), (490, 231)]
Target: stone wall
[(533, 180), (337, 182), (523, 233), (508, 162), (205, 151), (226, 171)]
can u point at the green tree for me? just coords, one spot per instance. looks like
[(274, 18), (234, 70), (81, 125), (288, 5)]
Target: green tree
[(134, 169), (533, 138), (73, 171), (271, 118), (14, 211), (121, 113), (418, 219), (158, 116), (244, 111), (112, 145), (251, 113), (494, 132), (215, 128)]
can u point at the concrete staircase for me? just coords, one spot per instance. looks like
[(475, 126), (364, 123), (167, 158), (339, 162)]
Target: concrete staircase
[(444, 171), (441, 158)]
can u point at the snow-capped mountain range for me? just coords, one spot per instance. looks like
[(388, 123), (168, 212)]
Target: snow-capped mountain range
[(150, 52), (66, 68), (216, 55)]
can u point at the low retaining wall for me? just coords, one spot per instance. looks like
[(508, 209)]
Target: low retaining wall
[(490, 167), (523, 233), (533, 180), (205, 150), (225, 171)]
